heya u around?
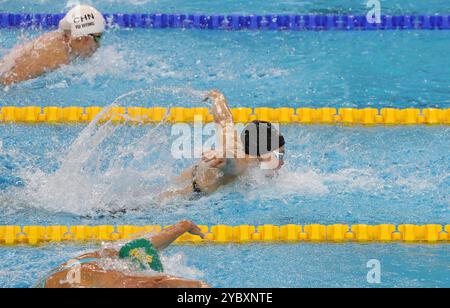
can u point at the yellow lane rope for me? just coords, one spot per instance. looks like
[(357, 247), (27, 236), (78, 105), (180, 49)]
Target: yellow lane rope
[(431, 233), (366, 116)]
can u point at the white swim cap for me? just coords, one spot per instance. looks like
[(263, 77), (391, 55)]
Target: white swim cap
[(83, 20)]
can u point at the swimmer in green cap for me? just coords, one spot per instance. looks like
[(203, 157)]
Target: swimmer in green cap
[(87, 271), (79, 35)]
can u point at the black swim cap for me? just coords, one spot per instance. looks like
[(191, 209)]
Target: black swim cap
[(259, 138)]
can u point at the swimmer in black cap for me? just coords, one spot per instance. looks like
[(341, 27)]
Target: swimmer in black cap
[(260, 145)]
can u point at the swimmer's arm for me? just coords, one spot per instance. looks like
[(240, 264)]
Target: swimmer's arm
[(228, 140), (220, 109), (169, 235), (214, 159), (160, 241)]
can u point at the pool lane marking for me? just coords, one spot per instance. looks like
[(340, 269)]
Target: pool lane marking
[(282, 115), (223, 234), (271, 22)]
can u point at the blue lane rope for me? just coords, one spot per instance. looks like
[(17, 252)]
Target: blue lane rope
[(241, 22)]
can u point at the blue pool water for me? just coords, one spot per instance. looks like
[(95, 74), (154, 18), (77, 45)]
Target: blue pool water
[(57, 175), (291, 69)]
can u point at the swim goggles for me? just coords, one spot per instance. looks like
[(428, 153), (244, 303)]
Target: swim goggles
[(279, 155), (97, 37)]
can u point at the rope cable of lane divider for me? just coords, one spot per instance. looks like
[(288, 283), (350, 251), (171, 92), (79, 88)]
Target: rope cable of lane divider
[(347, 116), (339, 233), (311, 22)]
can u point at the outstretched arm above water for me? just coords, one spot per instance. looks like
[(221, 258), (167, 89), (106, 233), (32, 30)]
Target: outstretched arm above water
[(166, 237), (220, 109), (160, 241), (227, 134)]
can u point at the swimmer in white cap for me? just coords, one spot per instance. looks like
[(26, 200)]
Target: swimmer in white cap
[(79, 35)]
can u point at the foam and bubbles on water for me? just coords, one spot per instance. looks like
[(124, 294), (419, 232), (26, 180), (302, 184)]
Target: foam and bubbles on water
[(111, 168), (106, 62), (82, 183), (291, 182), (107, 168), (119, 59)]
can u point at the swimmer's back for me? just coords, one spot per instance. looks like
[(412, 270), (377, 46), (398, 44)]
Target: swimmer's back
[(31, 60), (209, 179)]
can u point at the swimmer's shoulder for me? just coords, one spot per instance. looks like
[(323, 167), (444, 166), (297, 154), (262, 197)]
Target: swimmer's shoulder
[(236, 166), (231, 167), (54, 35)]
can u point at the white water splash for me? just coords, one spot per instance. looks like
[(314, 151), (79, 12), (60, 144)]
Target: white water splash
[(106, 169), (312, 183), (352, 179), (107, 61), (176, 265)]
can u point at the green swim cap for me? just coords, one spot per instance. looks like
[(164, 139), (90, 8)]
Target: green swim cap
[(142, 252)]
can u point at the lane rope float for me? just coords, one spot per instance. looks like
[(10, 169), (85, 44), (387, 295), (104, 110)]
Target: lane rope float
[(222, 234), (307, 22), (366, 116)]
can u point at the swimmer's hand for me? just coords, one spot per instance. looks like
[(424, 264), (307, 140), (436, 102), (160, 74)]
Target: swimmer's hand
[(192, 228), (213, 95), (211, 159)]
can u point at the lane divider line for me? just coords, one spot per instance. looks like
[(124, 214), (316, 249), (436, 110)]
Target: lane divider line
[(222, 234), (366, 116), (293, 22)]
